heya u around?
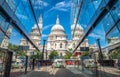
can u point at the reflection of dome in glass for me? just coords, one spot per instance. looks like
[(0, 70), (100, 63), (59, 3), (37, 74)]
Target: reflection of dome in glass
[(39, 24), (77, 26), (57, 26), (35, 26)]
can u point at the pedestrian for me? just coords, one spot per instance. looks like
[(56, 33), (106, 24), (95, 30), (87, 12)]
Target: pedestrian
[(30, 65), (118, 63), (38, 65)]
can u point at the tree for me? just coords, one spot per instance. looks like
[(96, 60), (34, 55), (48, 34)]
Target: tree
[(103, 55), (16, 49), (115, 54), (53, 54), (37, 56), (68, 54), (85, 53)]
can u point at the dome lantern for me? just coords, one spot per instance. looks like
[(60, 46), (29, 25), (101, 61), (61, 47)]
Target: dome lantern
[(77, 25), (40, 19), (57, 26), (57, 20), (75, 19)]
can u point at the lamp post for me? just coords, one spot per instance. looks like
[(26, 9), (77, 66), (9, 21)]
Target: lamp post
[(46, 57), (43, 51), (8, 62), (33, 64), (26, 64), (101, 54)]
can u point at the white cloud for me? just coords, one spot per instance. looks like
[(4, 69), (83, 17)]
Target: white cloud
[(62, 6), (39, 4), (14, 34), (21, 16), (45, 4), (95, 35), (46, 27), (44, 35)]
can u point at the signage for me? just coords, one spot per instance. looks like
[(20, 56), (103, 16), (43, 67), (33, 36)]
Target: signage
[(25, 48), (84, 48)]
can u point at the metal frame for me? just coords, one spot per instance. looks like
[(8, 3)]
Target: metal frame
[(100, 13), (8, 61), (5, 33), (110, 47), (113, 26), (10, 17)]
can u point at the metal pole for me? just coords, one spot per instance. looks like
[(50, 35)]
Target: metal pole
[(26, 64), (8, 64), (43, 51), (101, 55), (46, 58), (33, 64), (96, 68)]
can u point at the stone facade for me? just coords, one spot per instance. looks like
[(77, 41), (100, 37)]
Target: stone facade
[(35, 36), (57, 39), (6, 40)]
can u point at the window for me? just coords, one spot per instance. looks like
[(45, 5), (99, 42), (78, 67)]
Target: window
[(61, 55), (60, 45)]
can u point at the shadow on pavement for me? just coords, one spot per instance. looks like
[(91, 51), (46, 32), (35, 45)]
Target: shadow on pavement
[(55, 72)]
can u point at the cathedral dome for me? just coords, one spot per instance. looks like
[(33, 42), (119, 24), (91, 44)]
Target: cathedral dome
[(57, 32), (35, 26), (57, 26), (77, 26)]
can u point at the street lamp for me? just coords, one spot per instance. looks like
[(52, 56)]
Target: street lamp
[(26, 64)]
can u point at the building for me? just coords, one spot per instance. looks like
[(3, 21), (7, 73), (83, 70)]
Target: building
[(57, 39), (35, 36), (76, 36), (5, 41)]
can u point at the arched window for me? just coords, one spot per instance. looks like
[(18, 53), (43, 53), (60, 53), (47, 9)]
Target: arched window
[(61, 55), (60, 45)]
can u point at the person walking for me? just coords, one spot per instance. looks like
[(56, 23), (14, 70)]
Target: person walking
[(30, 65), (38, 65)]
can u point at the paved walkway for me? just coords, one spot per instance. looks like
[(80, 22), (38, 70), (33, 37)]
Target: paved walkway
[(72, 72), (102, 71), (52, 72), (109, 72)]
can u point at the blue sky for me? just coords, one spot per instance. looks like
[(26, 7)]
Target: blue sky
[(52, 8)]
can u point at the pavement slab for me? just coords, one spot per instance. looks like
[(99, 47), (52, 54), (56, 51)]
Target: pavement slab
[(52, 72)]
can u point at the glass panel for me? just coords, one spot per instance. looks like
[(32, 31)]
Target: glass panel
[(113, 37)]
